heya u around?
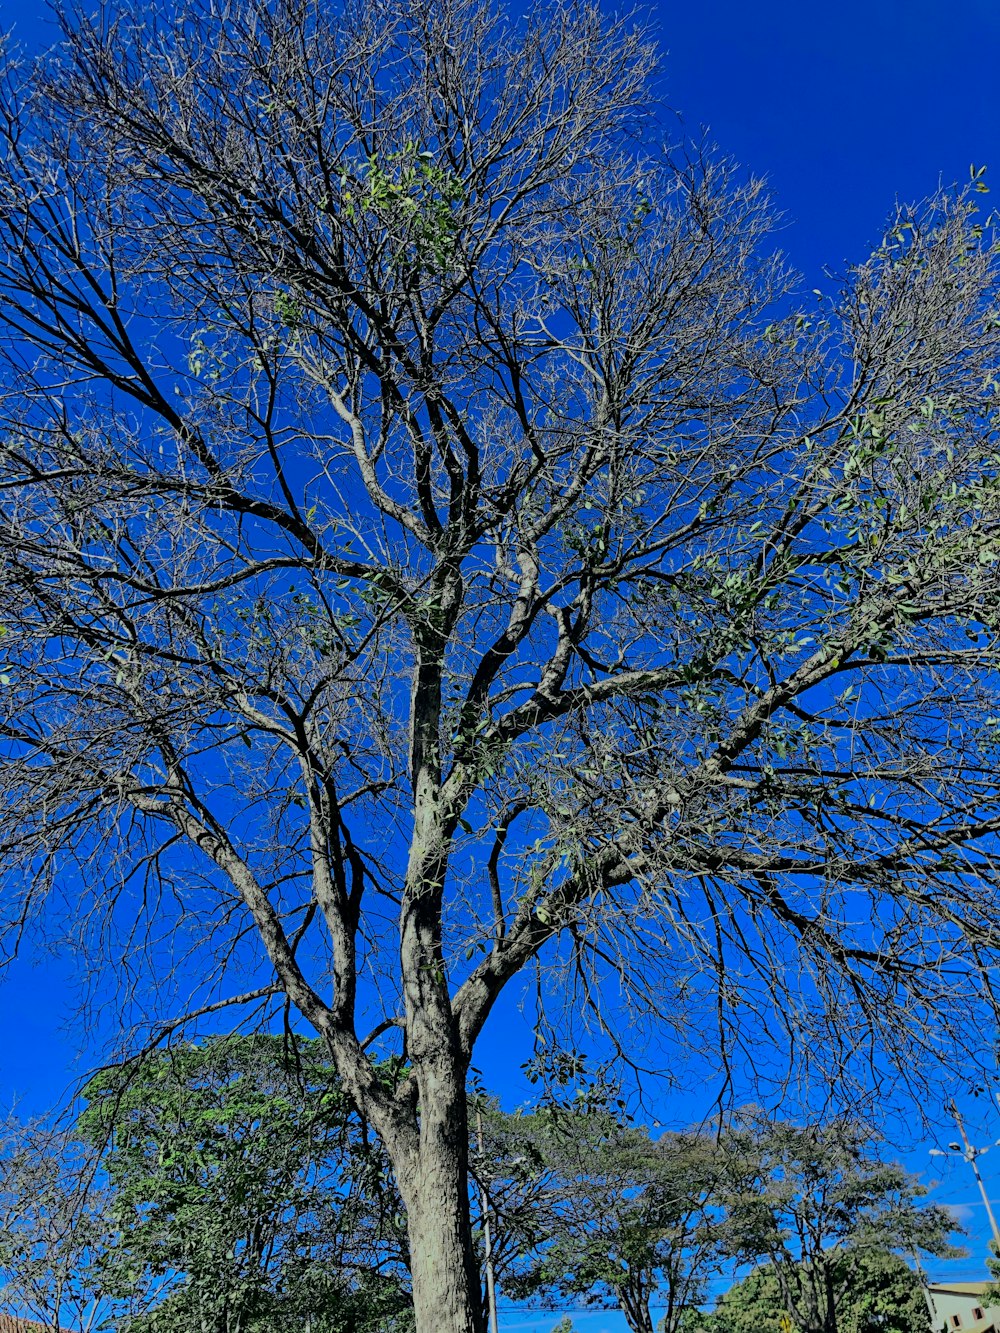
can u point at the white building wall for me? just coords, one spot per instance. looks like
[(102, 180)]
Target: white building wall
[(964, 1305)]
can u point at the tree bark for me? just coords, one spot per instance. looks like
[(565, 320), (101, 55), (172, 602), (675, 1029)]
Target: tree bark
[(830, 1321), (433, 1171), (634, 1305), (434, 1186)]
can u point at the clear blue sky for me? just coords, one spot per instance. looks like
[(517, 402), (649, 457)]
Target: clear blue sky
[(844, 108)]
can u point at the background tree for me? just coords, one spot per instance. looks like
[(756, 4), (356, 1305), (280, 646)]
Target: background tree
[(886, 1295), (621, 1219), (511, 1180), (56, 1226), (819, 1205), (883, 1295), (429, 541), (751, 1305), (242, 1184)]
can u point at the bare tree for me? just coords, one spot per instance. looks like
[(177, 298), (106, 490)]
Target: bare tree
[(56, 1226), (428, 541)]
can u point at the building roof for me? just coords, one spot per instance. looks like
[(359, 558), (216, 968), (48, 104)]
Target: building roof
[(961, 1288), (12, 1323)]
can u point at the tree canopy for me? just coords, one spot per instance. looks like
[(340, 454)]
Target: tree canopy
[(244, 1193), (825, 1212), (617, 1218), (435, 534), (56, 1226), (882, 1294)]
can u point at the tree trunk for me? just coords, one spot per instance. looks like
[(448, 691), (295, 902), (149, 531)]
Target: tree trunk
[(435, 1189), (830, 1322), (634, 1305), (434, 1181)]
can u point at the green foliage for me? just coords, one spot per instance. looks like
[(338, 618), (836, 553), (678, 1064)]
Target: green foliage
[(878, 1293), (753, 1305), (621, 1216), (825, 1211), (992, 1293), (884, 1295), (417, 201), (288, 310), (242, 1181)]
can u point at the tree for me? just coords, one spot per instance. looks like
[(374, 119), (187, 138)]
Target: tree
[(243, 1189), (512, 1183), (825, 1212), (622, 1219), (432, 538), (753, 1305), (56, 1227), (887, 1297), (883, 1295)]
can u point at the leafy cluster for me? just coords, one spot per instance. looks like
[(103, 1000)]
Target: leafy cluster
[(879, 1293), (244, 1190), (416, 199)]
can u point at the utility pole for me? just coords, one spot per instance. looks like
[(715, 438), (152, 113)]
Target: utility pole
[(925, 1288), (484, 1207), (970, 1156)]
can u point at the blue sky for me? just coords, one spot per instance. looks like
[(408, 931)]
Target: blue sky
[(843, 108)]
